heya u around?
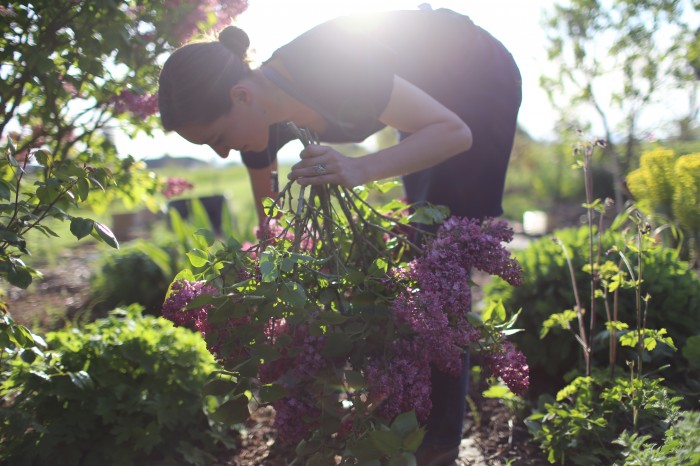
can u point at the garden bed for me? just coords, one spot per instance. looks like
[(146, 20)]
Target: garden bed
[(490, 438)]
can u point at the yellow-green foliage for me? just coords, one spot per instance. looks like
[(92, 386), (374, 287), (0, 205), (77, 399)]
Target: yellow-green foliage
[(668, 185), (686, 196), (652, 184)]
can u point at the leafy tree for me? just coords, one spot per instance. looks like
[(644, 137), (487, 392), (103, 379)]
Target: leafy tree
[(70, 68), (616, 57)]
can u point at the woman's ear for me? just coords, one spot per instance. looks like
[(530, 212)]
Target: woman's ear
[(239, 93)]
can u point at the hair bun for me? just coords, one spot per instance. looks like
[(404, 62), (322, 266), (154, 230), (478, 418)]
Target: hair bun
[(235, 39)]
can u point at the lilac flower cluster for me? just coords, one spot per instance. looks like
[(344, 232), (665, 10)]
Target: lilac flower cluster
[(198, 12), (401, 382), (296, 418), (296, 415), (432, 312), (141, 106), (175, 309), (182, 293), (300, 359), (511, 366), (175, 186), (436, 310)]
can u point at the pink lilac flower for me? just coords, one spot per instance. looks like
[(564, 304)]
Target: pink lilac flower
[(220, 337), (435, 310), (401, 382), (6, 11), (181, 295), (196, 13), (271, 233), (511, 366), (295, 418), (141, 106), (175, 186), (300, 360)]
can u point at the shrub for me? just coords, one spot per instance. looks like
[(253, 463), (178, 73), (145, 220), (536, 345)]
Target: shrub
[(125, 389), (547, 289), (680, 446), (588, 415), (667, 186), (129, 277)]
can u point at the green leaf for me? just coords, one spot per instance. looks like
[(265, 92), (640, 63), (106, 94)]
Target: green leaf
[(405, 423), (378, 267), (268, 267), (292, 294), (207, 236), (271, 392), (413, 440), (494, 312), (270, 208), (233, 411), (20, 277), (81, 227), (198, 258), (219, 387), (403, 459), (83, 186), (81, 380), (354, 379), (5, 190), (691, 350), (386, 441), (43, 157), (106, 235), (337, 345), (559, 320)]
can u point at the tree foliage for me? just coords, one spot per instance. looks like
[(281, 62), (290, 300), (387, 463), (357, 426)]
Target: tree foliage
[(617, 57), (72, 72)]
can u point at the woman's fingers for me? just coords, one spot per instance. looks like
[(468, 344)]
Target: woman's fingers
[(324, 165)]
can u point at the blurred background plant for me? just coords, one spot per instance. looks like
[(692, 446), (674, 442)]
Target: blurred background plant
[(666, 187)]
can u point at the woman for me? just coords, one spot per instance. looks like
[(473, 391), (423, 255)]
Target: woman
[(449, 88)]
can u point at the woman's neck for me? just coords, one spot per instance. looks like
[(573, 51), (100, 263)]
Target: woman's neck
[(282, 106)]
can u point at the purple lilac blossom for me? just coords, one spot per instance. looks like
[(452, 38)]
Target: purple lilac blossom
[(436, 309), (511, 366), (175, 186), (295, 418), (141, 106), (174, 309), (401, 382)]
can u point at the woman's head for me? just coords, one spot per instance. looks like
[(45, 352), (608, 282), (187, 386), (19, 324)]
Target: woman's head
[(196, 80)]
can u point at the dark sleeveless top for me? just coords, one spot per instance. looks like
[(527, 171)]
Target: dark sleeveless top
[(344, 69)]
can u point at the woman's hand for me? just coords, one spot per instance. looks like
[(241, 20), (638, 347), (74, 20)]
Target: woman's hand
[(325, 165)]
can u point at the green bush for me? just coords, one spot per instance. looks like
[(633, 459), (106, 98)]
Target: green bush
[(582, 424), (547, 289), (129, 276), (680, 446), (123, 390)]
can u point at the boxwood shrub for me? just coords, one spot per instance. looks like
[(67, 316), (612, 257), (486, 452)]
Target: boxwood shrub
[(126, 389)]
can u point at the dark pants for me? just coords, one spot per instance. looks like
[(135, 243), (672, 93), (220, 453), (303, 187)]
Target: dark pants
[(449, 394)]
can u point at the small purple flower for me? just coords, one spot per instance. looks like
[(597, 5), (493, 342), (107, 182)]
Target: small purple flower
[(175, 186), (511, 366), (181, 295), (141, 106)]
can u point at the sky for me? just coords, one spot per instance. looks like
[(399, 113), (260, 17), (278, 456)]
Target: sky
[(272, 23)]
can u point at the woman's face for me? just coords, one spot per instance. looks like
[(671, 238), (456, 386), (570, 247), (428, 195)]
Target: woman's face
[(243, 129)]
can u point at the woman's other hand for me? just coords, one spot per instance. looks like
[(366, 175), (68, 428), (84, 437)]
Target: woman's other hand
[(325, 165)]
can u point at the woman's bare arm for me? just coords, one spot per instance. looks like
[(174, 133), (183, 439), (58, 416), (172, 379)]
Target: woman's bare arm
[(437, 134)]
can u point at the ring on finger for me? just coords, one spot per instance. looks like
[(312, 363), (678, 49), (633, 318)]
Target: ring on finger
[(320, 168)]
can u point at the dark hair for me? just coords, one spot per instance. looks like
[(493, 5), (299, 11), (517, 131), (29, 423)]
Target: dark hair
[(195, 81)]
